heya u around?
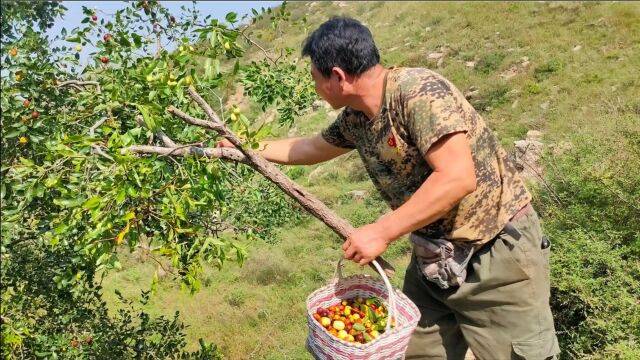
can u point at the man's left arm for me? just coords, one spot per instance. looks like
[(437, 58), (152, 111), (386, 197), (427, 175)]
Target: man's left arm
[(453, 178)]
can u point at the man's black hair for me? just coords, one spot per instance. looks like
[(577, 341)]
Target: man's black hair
[(343, 42)]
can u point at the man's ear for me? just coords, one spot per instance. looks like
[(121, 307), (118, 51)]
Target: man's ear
[(342, 76)]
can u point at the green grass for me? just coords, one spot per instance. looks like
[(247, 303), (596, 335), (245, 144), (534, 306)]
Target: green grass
[(257, 311)]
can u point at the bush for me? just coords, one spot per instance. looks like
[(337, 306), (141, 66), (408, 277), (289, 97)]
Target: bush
[(490, 62), (494, 97), (590, 211), (547, 69), (43, 319)]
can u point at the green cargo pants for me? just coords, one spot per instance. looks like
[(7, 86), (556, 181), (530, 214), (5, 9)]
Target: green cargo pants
[(501, 311)]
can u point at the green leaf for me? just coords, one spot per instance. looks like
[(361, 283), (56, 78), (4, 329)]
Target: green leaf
[(60, 229), (148, 120), (359, 327), (120, 196), (367, 337), (92, 203), (124, 41), (236, 67), (152, 65), (74, 38), (212, 40), (154, 283), (69, 203), (137, 39), (231, 17), (130, 215), (372, 315)]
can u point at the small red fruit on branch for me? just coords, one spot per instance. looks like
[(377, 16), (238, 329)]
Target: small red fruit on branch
[(104, 60)]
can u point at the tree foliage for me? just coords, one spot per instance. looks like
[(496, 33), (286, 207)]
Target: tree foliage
[(73, 199)]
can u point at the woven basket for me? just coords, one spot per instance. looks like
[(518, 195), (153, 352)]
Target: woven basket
[(391, 344)]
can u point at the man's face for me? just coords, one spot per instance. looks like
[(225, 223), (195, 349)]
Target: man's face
[(328, 88)]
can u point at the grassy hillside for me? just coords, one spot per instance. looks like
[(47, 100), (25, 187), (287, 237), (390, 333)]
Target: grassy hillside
[(567, 69)]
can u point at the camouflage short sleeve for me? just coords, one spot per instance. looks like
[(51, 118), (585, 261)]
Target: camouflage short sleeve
[(335, 134), (432, 115)]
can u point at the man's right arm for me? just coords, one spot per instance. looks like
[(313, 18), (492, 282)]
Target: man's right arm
[(296, 151)]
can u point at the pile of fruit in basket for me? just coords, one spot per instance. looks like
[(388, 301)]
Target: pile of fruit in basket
[(355, 320)]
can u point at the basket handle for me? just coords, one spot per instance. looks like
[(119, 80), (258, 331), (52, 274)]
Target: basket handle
[(387, 283)]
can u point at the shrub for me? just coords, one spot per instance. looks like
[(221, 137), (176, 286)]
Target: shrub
[(490, 62), (492, 98), (45, 319), (590, 210), (545, 70)]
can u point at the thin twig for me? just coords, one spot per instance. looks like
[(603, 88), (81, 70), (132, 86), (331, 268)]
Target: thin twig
[(81, 83), (160, 263), (95, 147), (264, 51)]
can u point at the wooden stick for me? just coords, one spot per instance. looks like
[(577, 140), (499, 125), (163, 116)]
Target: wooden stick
[(222, 153)]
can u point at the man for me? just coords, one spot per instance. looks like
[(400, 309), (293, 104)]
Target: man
[(450, 185)]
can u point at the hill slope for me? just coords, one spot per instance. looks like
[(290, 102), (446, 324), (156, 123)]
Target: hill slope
[(562, 68)]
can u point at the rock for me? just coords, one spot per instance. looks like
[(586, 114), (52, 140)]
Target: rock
[(435, 56), (527, 156), (510, 72), (427, 29), (577, 48), (470, 64), (358, 195), (544, 105)]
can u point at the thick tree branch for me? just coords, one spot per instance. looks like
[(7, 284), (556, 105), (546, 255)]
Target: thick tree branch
[(222, 153), (268, 170)]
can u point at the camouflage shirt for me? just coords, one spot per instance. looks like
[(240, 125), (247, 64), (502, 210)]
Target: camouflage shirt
[(419, 107)]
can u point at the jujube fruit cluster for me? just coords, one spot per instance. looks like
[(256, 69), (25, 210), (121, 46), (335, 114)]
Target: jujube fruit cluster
[(355, 320)]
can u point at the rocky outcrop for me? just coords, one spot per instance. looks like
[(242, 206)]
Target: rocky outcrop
[(527, 156)]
